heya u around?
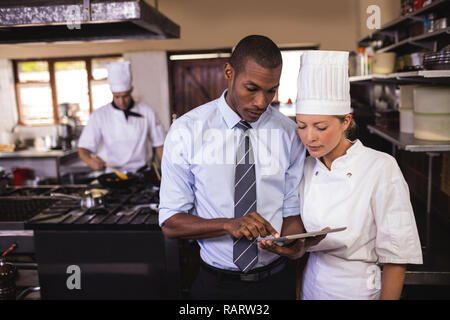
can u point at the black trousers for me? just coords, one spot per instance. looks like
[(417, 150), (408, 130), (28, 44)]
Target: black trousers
[(211, 286)]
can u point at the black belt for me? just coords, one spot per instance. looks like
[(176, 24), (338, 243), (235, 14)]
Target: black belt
[(252, 276)]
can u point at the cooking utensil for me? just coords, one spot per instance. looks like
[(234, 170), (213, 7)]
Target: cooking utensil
[(111, 180), (9, 250), (88, 199), (121, 175), (437, 60)]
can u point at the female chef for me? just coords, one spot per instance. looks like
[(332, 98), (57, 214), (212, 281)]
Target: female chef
[(348, 184)]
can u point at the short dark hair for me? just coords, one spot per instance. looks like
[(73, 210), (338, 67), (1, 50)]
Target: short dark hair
[(259, 48)]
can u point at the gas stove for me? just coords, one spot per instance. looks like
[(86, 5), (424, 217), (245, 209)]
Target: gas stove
[(118, 246), (35, 208)]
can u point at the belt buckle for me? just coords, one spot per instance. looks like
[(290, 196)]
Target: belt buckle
[(249, 277)]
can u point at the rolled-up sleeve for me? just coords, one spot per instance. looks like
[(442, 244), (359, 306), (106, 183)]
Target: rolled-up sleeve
[(157, 132), (397, 238), (176, 192), (293, 175)]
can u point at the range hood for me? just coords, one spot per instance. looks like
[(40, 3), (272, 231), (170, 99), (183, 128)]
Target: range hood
[(82, 20)]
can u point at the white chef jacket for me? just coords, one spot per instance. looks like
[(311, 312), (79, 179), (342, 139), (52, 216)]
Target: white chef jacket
[(366, 192), (126, 144)]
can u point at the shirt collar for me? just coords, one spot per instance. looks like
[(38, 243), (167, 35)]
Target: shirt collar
[(231, 118), (344, 160)]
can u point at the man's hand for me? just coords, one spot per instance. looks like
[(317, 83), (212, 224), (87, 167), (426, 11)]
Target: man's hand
[(96, 163), (294, 251), (250, 226)]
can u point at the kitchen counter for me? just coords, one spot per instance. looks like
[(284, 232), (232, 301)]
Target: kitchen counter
[(38, 153), (45, 163)]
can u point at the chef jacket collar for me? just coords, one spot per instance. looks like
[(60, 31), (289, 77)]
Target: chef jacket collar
[(344, 160), (127, 112), (231, 118)]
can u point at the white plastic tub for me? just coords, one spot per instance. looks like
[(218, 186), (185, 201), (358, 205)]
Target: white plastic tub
[(432, 99), (434, 127), (406, 120), (407, 96)]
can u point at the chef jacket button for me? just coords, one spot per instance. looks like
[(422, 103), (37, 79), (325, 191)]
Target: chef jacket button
[(317, 172), (349, 174)]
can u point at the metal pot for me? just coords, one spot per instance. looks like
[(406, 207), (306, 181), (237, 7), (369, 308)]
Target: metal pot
[(88, 199)]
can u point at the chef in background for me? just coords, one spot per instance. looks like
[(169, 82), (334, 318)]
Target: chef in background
[(122, 133)]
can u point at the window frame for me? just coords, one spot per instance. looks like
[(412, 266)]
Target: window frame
[(52, 81)]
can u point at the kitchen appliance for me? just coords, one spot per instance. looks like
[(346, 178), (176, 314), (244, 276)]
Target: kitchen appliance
[(67, 126), (72, 20), (119, 246), (52, 143)]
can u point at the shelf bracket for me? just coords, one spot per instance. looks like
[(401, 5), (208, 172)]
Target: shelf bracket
[(426, 45), (389, 33), (417, 18)]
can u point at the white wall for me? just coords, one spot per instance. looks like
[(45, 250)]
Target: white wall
[(151, 81), (389, 10)]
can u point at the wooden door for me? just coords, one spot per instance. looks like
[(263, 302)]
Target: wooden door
[(195, 82)]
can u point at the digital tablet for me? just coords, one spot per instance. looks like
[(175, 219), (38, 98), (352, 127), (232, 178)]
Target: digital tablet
[(303, 235)]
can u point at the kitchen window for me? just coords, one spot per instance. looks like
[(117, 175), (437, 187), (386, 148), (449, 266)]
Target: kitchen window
[(42, 85)]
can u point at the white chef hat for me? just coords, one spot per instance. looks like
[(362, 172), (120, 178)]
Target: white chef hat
[(323, 84), (119, 76)]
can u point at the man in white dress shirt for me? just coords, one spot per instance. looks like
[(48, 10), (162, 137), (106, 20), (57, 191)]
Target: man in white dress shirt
[(230, 174), (127, 130)]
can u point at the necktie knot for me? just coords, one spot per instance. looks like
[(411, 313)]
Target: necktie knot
[(243, 125)]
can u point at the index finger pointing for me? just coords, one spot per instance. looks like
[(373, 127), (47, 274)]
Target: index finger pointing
[(255, 215)]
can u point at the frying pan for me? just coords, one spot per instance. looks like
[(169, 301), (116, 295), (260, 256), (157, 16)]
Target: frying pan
[(88, 199), (111, 180)]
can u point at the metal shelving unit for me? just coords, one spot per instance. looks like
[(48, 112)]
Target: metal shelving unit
[(407, 142), (422, 76), (391, 28), (435, 270)]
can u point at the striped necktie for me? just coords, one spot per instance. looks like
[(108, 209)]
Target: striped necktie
[(245, 252)]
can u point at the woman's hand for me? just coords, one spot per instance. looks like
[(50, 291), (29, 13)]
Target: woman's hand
[(293, 250)]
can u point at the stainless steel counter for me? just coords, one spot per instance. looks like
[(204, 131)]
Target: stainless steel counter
[(38, 153), (406, 141), (45, 163)]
